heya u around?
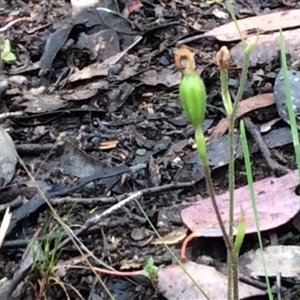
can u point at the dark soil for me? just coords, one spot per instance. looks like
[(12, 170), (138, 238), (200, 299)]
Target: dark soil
[(140, 123)]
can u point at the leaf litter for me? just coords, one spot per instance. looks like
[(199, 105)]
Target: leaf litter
[(103, 78)]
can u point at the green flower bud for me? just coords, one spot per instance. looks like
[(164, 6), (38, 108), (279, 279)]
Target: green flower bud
[(251, 43), (193, 98)]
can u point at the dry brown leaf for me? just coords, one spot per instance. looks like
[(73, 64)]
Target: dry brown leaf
[(256, 25), (267, 48), (244, 107), (265, 127), (127, 264), (174, 237), (105, 145)]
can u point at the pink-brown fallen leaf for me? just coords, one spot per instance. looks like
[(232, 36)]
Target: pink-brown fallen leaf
[(176, 285), (276, 203), (245, 106), (256, 25), (131, 6)]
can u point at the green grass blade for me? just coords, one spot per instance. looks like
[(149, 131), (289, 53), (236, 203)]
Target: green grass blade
[(253, 202), (289, 102)]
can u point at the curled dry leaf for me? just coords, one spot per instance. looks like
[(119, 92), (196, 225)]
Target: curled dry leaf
[(105, 145), (171, 238)]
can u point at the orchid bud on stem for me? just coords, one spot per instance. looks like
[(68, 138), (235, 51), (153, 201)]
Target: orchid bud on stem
[(193, 99), (192, 89), (223, 61)]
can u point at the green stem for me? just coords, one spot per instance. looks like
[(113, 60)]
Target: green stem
[(201, 147), (235, 276), (231, 172), (229, 275), (247, 49)]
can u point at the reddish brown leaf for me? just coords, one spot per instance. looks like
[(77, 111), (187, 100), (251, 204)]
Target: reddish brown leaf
[(276, 203), (244, 107), (176, 285), (256, 25)]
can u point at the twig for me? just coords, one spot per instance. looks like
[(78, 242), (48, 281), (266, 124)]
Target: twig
[(132, 196), (114, 199), (265, 151), (4, 225), (10, 114), (4, 28), (192, 39), (95, 219), (35, 148), (17, 202), (22, 243)]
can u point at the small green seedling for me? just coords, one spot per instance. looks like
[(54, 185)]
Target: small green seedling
[(150, 271), (6, 54)]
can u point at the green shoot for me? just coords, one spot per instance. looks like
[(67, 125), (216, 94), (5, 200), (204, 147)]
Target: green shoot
[(253, 202), (6, 54), (150, 271), (287, 89)]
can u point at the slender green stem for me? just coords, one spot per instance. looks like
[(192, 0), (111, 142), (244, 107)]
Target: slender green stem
[(232, 15), (231, 142), (247, 50), (201, 147), (229, 275), (235, 276), (231, 172)]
